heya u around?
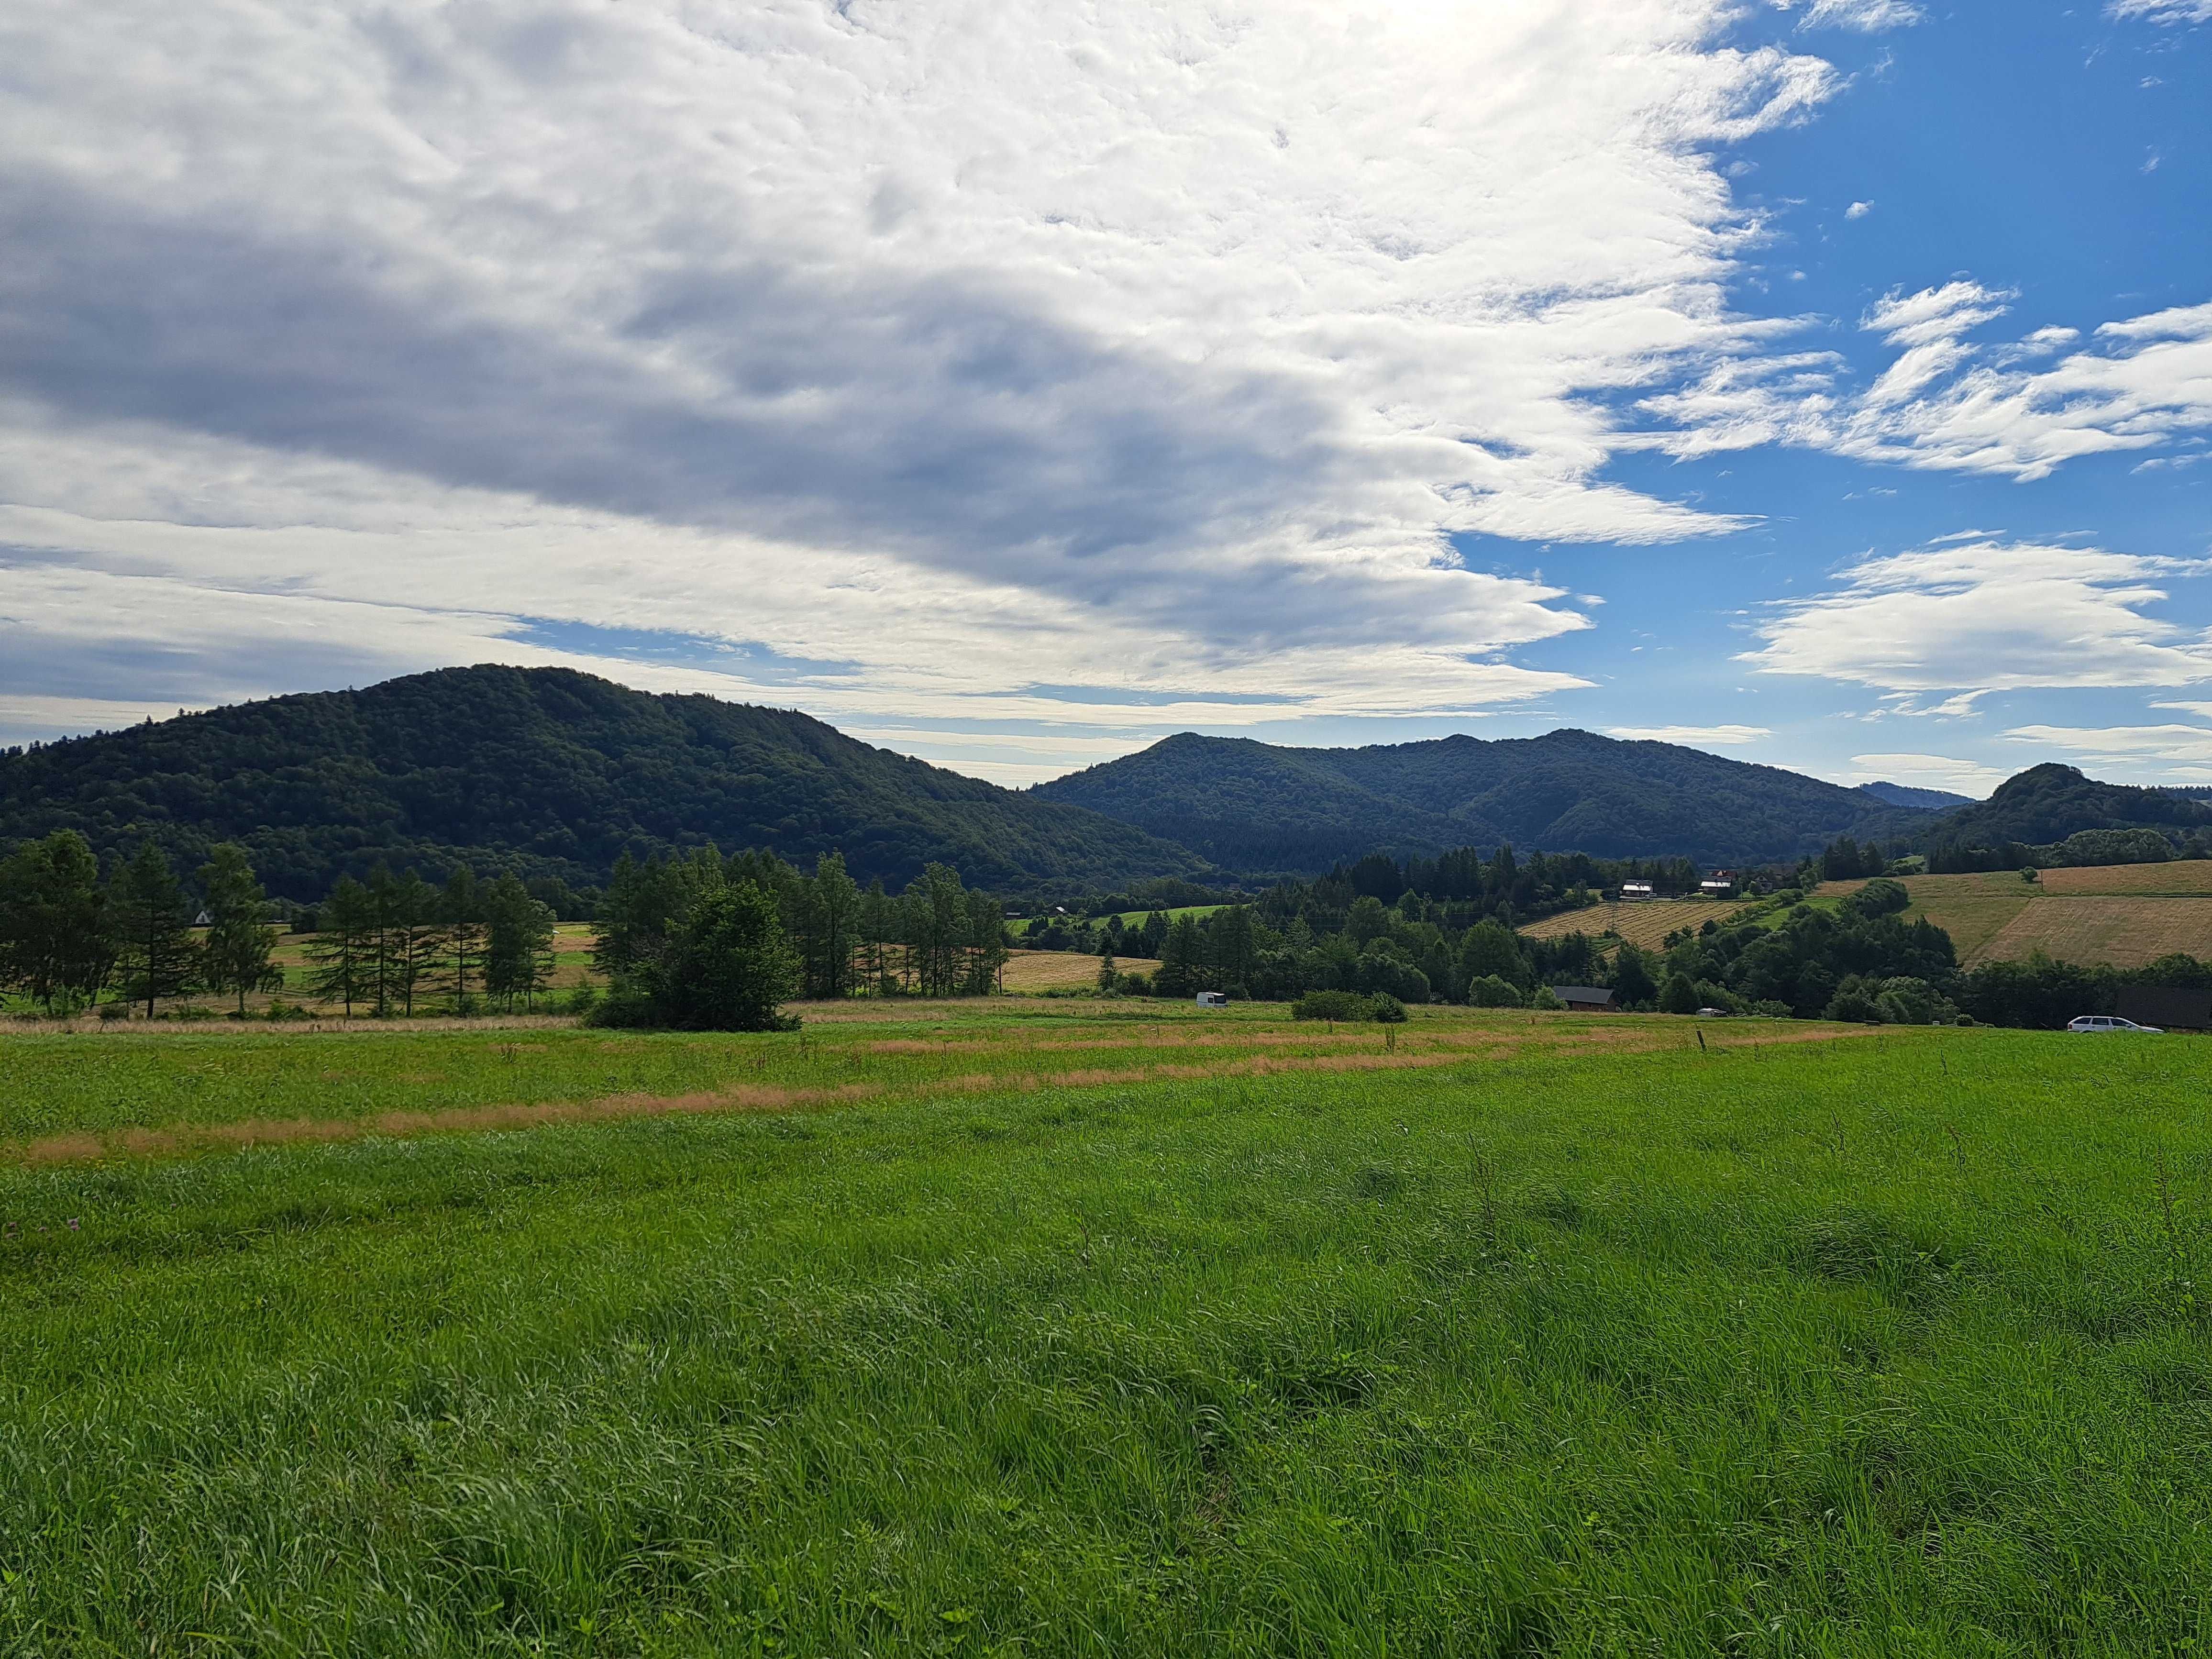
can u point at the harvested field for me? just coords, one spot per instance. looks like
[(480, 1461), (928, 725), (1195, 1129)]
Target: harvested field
[(2123, 915), (1973, 909), (1645, 923), (2189, 877), (1029, 972), (2126, 932)]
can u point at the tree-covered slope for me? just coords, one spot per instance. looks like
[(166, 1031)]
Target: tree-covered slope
[(550, 773), (2049, 803), (1908, 794), (1254, 806)]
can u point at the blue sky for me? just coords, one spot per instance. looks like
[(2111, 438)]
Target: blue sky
[(1828, 384)]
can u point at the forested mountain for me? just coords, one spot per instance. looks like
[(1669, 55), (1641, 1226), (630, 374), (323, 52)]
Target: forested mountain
[(2049, 803), (1906, 794), (549, 773), (1254, 806)]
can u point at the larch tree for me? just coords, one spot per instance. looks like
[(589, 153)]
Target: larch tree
[(55, 942), (344, 948), (156, 954), (240, 939)]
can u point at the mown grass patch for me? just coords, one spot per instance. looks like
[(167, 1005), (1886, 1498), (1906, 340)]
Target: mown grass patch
[(1884, 1346)]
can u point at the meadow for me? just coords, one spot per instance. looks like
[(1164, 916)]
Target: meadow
[(1093, 1328)]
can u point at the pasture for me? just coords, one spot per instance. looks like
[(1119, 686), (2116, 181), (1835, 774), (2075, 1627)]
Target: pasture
[(2125, 916), (1087, 1327)]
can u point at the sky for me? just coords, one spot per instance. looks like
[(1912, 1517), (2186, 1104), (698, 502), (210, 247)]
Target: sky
[(1826, 384)]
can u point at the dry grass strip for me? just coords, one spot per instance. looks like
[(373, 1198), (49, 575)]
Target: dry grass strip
[(186, 1140)]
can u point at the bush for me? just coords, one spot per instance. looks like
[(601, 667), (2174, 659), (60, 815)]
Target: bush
[(1334, 1004), (1853, 1001), (1386, 1009), (1546, 998), (1879, 897), (727, 968), (1492, 992)]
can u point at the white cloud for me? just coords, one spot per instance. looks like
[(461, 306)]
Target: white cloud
[(1696, 736), (1965, 777), (1951, 404), (2162, 11), (2121, 745), (1170, 341), (1858, 210), (1866, 15), (1984, 616)]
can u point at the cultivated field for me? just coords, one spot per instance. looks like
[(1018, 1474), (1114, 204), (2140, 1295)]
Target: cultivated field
[(1644, 923), (1081, 1327), (2124, 915)]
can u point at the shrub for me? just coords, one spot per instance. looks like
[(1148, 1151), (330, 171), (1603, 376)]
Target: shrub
[(1879, 897), (1492, 992), (1853, 1001), (1334, 1004), (1386, 1010), (1546, 998), (727, 968)]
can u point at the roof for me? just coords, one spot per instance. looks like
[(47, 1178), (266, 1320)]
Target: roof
[(1581, 993)]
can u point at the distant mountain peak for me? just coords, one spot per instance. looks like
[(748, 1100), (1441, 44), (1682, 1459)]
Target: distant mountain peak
[(1264, 809), (1910, 794), (551, 773)]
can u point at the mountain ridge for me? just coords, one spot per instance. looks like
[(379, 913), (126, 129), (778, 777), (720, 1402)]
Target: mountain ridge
[(1238, 801), (551, 773)]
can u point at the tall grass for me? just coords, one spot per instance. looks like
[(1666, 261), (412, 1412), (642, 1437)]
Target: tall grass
[(1887, 1345)]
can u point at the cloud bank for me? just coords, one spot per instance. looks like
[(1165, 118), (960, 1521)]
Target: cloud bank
[(1182, 337), (1982, 617)]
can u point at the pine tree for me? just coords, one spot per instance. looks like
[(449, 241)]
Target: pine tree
[(156, 953), (239, 938), (344, 950)]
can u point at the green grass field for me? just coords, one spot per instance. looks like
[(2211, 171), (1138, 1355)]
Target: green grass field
[(1073, 1328)]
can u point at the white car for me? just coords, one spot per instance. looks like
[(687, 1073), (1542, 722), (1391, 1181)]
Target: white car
[(2111, 1023)]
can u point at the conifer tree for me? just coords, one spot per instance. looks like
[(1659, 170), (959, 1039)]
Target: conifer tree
[(344, 950), (55, 941), (833, 905), (239, 938), (414, 938), (519, 949), (156, 953), (460, 912)]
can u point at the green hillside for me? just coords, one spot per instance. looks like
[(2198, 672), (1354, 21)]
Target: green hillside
[(2046, 804), (551, 773), (1256, 807)]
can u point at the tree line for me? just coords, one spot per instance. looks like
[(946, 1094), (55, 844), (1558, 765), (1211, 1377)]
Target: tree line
[(936, 938), (68, 937)]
